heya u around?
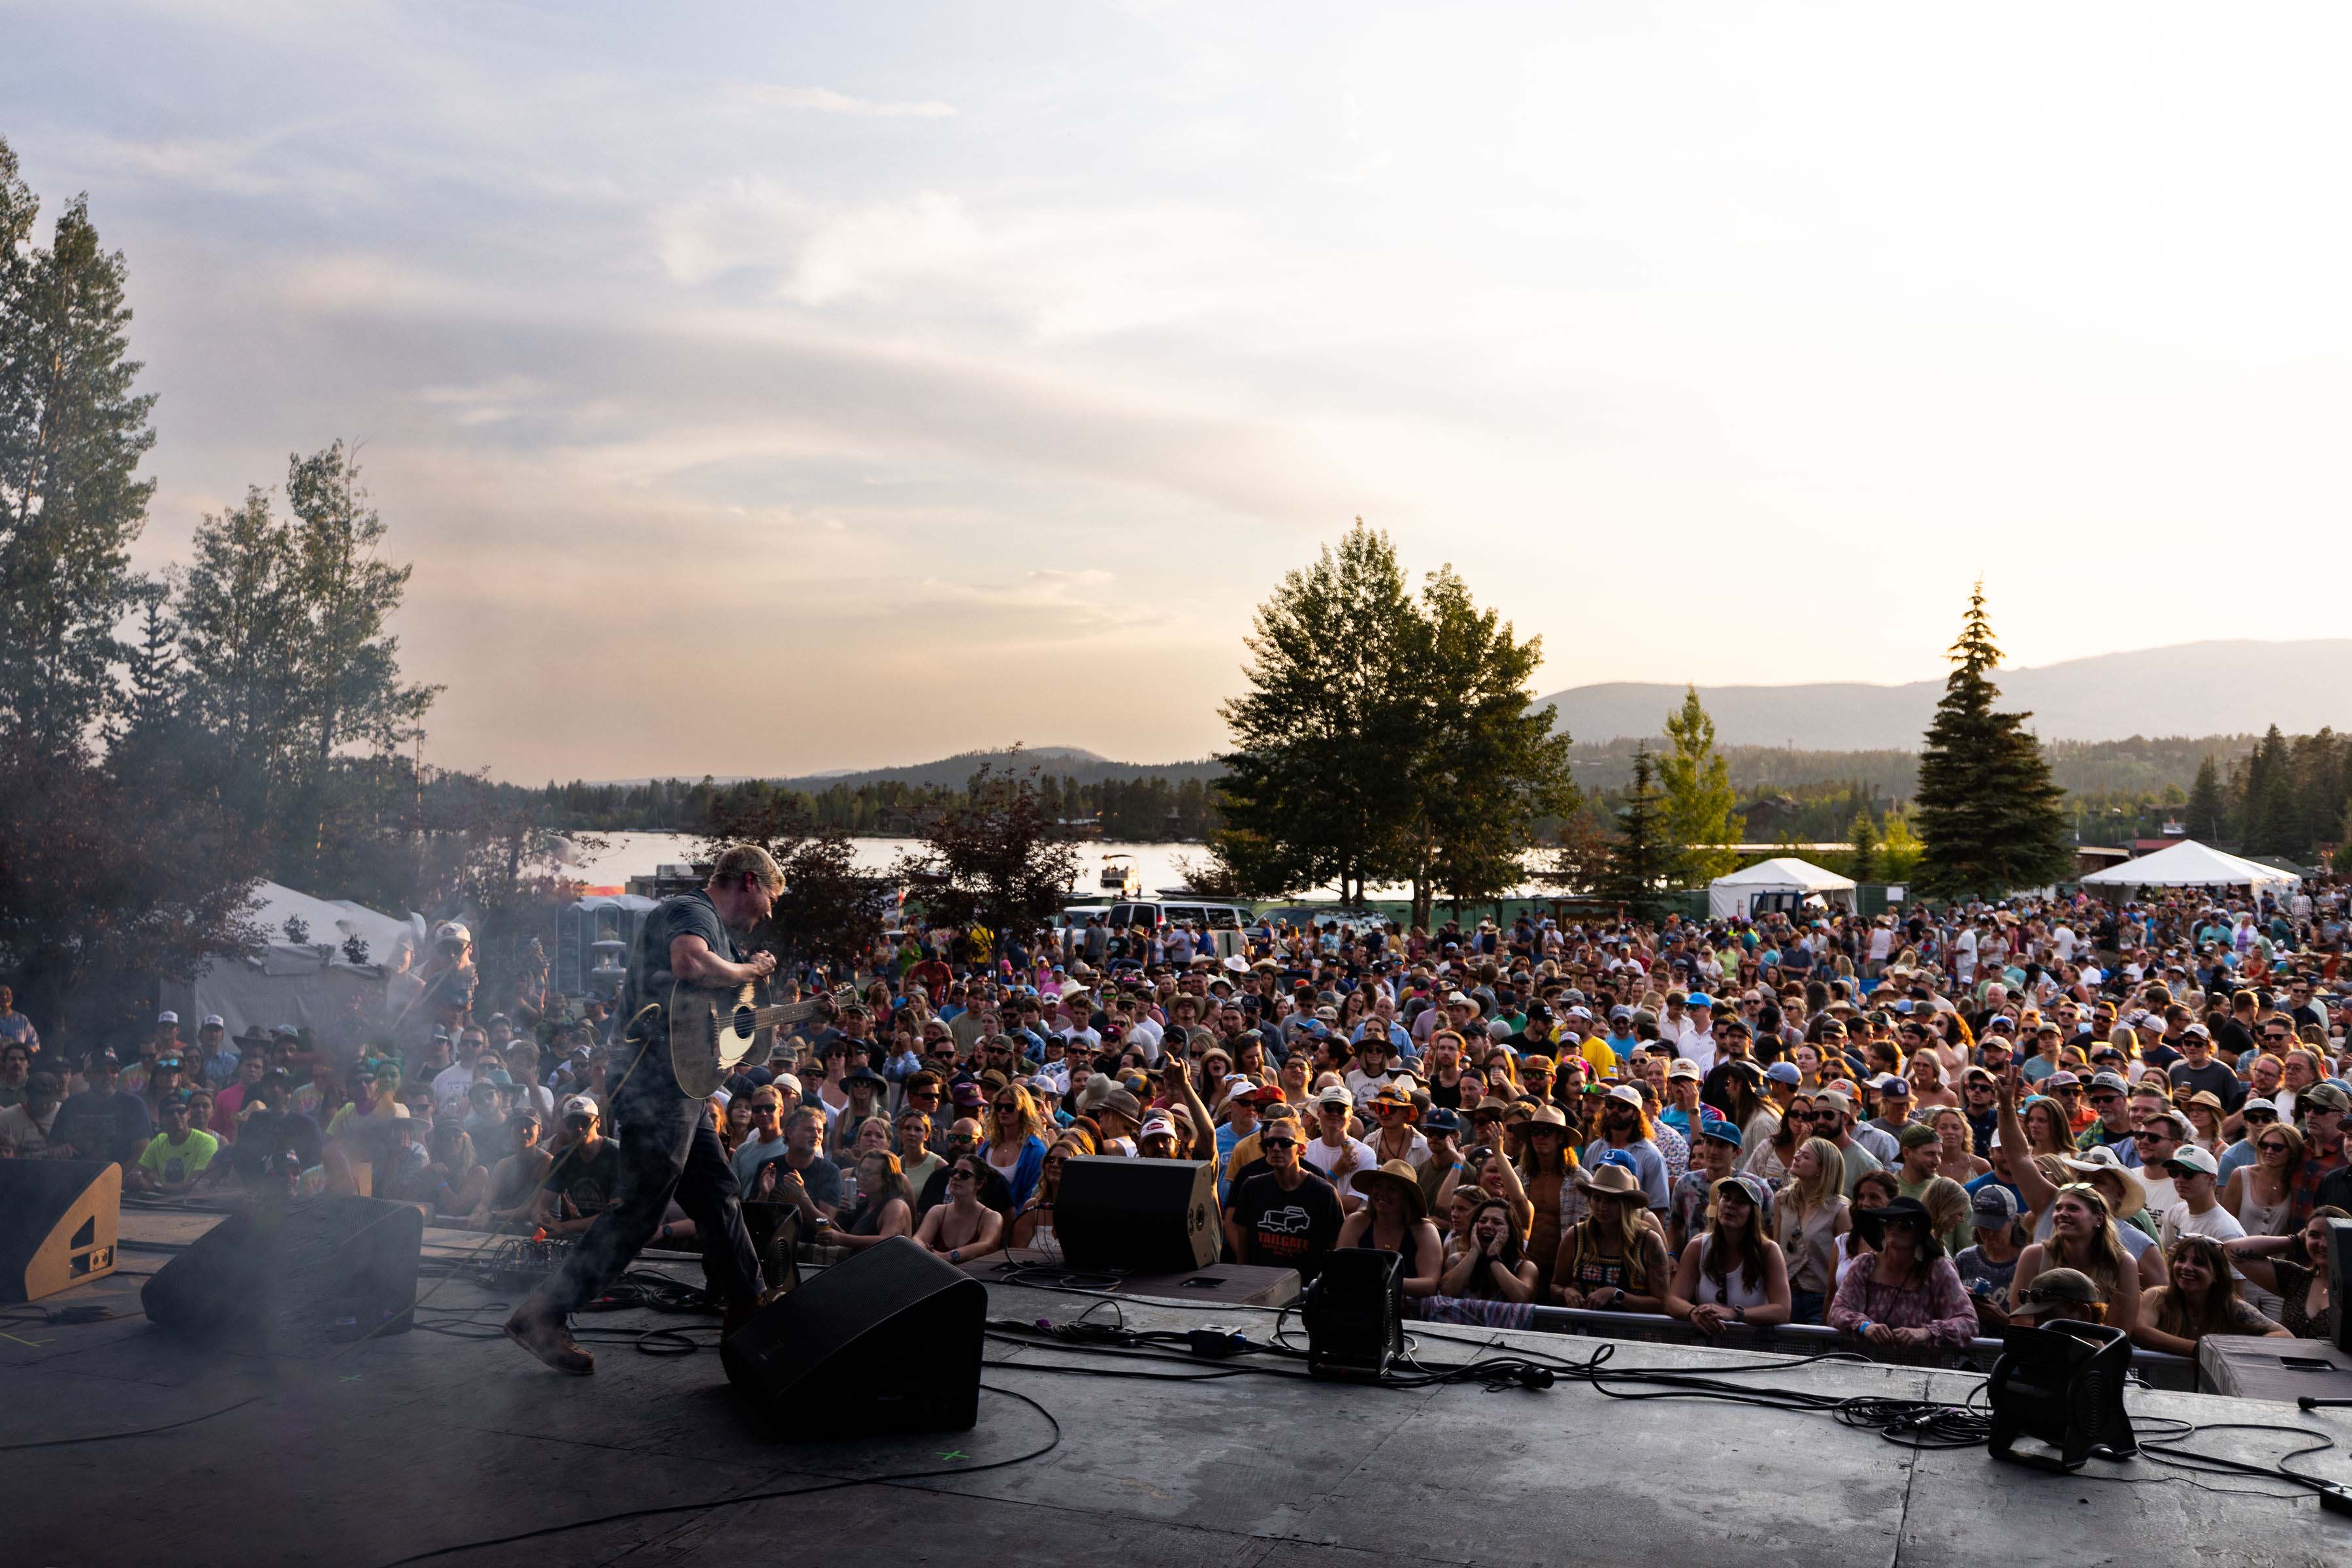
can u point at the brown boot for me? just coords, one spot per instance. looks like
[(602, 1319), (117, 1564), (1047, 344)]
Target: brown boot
[(544, 1334)]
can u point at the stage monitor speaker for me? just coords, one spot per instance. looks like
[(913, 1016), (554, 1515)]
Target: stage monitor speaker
[(323, 1270), (2339, 1280), (887, 1340), (1354, 1314), (1115, 1216), (58, 1222), (2063, 1384)]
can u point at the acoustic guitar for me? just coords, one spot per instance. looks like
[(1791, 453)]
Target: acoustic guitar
[(713, 1032)]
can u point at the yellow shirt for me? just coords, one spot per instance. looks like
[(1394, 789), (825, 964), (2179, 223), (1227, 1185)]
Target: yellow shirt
[(174, 1164)]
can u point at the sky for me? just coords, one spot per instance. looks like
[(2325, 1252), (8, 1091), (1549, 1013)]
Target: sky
[(769, 388)]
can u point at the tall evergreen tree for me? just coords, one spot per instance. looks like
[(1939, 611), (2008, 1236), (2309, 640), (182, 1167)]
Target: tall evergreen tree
[(1991, 820), (1645, 856), (2208, 808), (1863, 836), (72, 432), (1697, 783)]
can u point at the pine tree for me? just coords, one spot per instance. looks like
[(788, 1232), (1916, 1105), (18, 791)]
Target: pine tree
[(1645, 854), (2207, 806), (1990, 818), (1863, 834), (72, 433), (1696, 783)]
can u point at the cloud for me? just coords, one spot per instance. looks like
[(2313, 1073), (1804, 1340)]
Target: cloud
[(825, 100)]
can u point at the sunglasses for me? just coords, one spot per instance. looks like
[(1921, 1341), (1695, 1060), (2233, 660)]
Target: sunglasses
[(2262, 1118), (1005, 1108), (1278, 1142), (2150, 1135), (2271, 1148), (961, 1176)]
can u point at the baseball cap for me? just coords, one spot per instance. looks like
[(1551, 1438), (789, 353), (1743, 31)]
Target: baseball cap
[(2110, 1080), (1336, 1095), (2324, 1097), (1720, 1130), (577, 1105), (1783, 1072), (1916, 1135), (1700, 999), (1994, 1205), (167, 1018), (214, 1021), (1158, 1124), (2195, 1158), (2054, 1293), (1889, 1084), (1685, 1067), (1442, 1119), (1627, 1093)]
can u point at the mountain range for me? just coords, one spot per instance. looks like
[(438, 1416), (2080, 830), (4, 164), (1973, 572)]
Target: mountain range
[(2224, 687)]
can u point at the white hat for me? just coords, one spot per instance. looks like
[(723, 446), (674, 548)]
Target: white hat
[(453, 930), (1337, 1095), (1627, 1093), (786, 1083), (1157, 1125), (576, 1105), (167, 1018), (214, 1021)]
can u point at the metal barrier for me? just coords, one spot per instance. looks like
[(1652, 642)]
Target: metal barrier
[(2155, 1368)]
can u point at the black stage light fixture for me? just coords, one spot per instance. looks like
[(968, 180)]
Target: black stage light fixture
[(2062, 1384), (1354, 1314)]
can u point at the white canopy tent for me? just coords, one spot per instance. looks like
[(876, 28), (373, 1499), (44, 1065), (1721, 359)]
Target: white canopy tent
[(286, 983), (1735, 895), (2189, 864)]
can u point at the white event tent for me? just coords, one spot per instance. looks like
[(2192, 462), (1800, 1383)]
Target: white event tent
[(1736, 894), (2189, 864)]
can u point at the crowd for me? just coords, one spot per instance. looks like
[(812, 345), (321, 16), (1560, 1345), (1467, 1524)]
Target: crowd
[(1913, 1128)]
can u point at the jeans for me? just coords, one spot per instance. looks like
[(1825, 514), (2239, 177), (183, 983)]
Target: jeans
[(1807, 1306), (668, 1147)]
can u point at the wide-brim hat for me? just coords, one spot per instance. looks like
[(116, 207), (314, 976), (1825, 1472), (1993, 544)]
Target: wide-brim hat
[(1615, 1181), (2134, 1189), (1400, 1175), (1871, 1224)]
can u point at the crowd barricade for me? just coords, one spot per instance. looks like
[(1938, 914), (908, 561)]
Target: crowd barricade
[(2155, 1368)]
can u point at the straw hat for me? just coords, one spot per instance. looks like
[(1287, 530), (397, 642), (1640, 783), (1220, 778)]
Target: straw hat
[(1399, 1175)]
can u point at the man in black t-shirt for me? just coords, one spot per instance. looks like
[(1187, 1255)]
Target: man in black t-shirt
[(2196, 1069), (1287, 1217), (668, 1144), (104, 1121), (584, 1178)]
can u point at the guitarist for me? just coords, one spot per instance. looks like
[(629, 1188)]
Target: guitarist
[(668, 1144)]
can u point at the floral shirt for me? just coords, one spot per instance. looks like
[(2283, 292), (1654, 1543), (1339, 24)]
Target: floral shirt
[(1942, 1307)]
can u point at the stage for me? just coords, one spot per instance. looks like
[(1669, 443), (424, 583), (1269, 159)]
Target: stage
[(366, 1454)]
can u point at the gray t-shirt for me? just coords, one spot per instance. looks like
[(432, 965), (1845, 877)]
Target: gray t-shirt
[(688, 914)]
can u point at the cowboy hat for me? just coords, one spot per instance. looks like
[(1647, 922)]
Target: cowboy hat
[(1399, 1173), (2100, 1160), (1615, 1181)]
